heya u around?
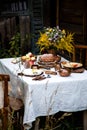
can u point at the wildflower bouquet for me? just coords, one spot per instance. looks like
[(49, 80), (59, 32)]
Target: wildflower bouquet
[(54, 38)]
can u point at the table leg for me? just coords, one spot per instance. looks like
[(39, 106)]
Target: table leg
[(85, 119)]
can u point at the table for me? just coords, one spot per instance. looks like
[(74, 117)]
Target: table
[(49, 96)]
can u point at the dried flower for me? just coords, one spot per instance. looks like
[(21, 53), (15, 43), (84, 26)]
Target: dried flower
[(55, 38)]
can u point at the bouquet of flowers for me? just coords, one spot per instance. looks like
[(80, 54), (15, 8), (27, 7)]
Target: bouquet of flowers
[(55, 38)]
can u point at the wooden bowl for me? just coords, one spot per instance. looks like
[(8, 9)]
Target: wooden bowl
[(64, 72)]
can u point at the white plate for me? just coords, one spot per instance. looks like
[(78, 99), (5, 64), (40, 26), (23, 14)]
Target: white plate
[(72, 65), (32, 72)]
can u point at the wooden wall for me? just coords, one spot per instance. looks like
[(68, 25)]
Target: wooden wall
[(68, 14), (73, 17)]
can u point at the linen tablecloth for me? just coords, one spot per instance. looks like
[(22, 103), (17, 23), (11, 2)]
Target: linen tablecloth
[(49, 96)]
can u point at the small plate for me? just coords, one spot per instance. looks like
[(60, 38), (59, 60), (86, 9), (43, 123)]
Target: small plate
[(32, 72), (72, 65)]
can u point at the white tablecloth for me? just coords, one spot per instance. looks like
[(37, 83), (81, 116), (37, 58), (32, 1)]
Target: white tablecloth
[(49, 96)]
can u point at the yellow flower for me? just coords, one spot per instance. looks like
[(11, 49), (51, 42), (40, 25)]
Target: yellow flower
[(43, 38), (50, 30), (62, 39), (63, 31)]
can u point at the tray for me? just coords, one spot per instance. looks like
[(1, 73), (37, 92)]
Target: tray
[(71, 65)]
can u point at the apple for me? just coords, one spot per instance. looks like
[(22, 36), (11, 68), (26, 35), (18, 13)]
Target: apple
[(31, 63), (27, 56), (30, 54), (33, 58)]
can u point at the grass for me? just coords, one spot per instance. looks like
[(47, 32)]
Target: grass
[(13, 120), (60, 121)]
